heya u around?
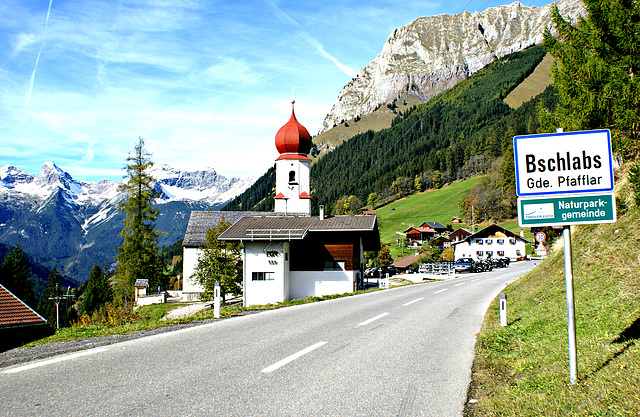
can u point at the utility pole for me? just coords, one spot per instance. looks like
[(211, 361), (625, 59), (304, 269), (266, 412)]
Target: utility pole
[(57, 299)]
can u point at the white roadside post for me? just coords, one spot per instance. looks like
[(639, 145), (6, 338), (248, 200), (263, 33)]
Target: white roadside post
[(216, 300), (503, 309)]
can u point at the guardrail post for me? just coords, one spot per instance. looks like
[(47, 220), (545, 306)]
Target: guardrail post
[(216, 300)]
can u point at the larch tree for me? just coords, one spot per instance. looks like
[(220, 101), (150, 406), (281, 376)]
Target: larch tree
[(219, 261), (138, 256)]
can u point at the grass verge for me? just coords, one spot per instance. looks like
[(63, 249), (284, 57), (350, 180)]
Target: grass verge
[(150, 318), (523, 368)]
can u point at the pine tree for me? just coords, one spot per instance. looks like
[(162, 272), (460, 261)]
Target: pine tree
[(597, 63), (219, 261), (98, 292), (15, 275), (138, 256)]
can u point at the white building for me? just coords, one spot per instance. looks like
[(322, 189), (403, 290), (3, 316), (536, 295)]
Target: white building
[(492, 241), (288, 254)]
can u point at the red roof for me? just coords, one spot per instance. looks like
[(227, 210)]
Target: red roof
[(293, 138), (14, 313), (405, 262)]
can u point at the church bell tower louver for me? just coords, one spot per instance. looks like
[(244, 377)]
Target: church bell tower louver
[(293, 168)]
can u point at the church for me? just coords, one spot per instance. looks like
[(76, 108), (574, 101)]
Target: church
[(288, 254)]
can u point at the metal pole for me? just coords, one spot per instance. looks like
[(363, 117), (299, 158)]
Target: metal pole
[(571, 319)]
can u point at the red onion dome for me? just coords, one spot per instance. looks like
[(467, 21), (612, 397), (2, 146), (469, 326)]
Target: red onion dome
[(293, 137)]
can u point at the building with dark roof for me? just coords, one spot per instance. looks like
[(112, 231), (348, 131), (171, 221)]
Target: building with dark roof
[(288, 254)]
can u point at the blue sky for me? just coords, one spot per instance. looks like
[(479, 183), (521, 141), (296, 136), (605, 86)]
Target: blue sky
[(205, 83)]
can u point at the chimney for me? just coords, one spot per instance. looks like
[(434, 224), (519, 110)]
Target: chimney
[(322, 212)]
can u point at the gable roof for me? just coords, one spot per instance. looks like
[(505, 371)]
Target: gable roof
[(434, 225), (270, 228), (490, 231), (15, 313), (421, 229), (200, 221), (405, 262)]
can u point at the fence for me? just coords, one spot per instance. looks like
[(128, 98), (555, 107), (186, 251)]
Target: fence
[(439, 268)]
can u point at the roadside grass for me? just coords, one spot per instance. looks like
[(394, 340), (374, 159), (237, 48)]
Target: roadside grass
[(523, 368), (149, 318)]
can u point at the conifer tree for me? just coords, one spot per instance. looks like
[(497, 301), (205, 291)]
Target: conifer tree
[(138, 256), (98, 292), (15, 275), (596, 71), (219, 261)]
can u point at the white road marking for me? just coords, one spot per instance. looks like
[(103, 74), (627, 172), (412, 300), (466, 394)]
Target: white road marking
[(462, 283), (372, 319), (411, 302), (442, 290), (474, 280), (293, 357), (53, 360)]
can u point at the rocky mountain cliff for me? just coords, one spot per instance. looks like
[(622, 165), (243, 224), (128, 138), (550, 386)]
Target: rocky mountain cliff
[(72, 225), (431, 54)]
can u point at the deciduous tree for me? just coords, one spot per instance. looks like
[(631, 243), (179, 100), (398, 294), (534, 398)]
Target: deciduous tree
[(219, 261)]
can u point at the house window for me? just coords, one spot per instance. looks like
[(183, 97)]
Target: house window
[(334, 265), (479, 241), (500, 241), (479, 253), (292, 177), (488, 241), (500, 253), (512, 241), (262, 276), (489, 253)]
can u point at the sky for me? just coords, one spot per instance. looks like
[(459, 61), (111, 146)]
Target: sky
[(206, 83)]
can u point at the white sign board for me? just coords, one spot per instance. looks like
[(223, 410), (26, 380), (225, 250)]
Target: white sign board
[(563, 163)]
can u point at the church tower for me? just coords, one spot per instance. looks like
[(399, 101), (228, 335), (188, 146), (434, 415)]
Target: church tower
[(293, 168)]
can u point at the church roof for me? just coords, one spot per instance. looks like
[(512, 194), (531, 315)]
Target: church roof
[(293, 140)]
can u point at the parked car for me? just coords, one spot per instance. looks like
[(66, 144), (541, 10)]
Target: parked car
[(464, 265)]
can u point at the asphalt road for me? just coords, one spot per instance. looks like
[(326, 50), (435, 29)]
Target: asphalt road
[(400, 352)]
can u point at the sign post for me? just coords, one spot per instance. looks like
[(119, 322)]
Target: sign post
[(564, 179)]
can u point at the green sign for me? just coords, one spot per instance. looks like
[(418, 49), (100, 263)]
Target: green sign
[(566, 209)]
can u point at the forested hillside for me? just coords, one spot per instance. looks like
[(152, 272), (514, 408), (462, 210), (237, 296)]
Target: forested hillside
[(436, 143)]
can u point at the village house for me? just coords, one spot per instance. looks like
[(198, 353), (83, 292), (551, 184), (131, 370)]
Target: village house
[(492, 241), (288, 254)]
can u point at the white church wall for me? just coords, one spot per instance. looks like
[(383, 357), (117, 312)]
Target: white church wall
[(190, 289), (264, 274)]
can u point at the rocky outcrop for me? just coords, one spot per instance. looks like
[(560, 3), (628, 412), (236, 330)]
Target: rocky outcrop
[(431, 54)]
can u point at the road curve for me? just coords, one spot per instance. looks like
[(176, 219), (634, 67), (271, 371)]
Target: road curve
[(405, 351)]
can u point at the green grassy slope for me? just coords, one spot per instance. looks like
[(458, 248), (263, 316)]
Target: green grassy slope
[(523, 369), (429, 206)]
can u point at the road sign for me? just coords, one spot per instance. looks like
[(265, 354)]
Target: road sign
[(563, 163), (540, 237), (566, 210)]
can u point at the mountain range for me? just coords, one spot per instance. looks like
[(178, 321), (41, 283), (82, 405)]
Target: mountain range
[(431, 54), (72, 225)]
